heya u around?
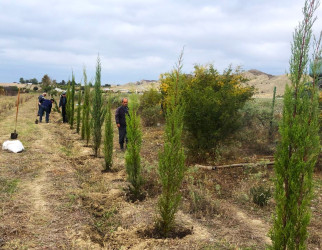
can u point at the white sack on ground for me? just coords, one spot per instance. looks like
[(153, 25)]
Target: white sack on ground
[(14, 146)]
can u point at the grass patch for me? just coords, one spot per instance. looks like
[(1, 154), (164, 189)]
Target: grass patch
[(66, 150), (107, 223), (8, 187)]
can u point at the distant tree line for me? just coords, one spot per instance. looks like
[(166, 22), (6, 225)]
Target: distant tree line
[(35, 81)]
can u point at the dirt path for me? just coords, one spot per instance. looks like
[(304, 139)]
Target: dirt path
[(40, 214)]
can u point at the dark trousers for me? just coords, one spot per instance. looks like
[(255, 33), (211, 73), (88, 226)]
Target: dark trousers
[(39, 109), (122, 136), (42, 110), (63, 112)]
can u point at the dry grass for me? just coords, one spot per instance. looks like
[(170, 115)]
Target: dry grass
[(63, 200)]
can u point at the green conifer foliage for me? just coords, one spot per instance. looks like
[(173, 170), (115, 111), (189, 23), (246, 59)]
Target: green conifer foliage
[(84, 106), (87, 125), (299, 146), (79, 108), (68, 105), (98, 111), (171, 159), (132, 157), (72, 102), (108, 137)]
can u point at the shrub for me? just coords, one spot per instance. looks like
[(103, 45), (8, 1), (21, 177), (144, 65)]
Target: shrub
[(150, 98), (2, 91), (260, 195), (212, 103), (116, 99), (152, 115), (150, 107)]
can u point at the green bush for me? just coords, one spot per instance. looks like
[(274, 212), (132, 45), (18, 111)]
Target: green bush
[(260, 195), (150, 107), (152, 115), (150, 98), (212, 103), (116, 99)]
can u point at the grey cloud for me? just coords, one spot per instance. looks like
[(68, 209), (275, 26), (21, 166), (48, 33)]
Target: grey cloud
[(143, 38)]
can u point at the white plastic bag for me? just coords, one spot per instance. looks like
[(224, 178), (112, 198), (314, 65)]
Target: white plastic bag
[(14, 146)]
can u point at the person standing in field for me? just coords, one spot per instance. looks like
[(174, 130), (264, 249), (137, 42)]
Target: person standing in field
[(62, 104), (121, 121), (40, 98), (45, 106)]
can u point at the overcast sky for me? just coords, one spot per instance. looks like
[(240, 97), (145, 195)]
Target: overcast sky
[(139, 39)]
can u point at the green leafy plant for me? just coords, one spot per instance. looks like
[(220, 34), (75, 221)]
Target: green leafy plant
[(261, 195), (212, 103), (150, 107)]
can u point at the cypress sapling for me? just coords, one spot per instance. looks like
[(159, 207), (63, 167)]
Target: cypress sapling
[(108, 137), (132, 156)]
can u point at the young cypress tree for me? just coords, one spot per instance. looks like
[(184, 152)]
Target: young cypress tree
[(132, 156), (79, 108), (108, 137), (87, 118), (299, 146), (98, 111), (84, 106), (171, 159), (72, 102), (68, 95)]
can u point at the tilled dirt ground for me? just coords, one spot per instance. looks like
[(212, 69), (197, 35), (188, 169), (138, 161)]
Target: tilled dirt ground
[(55, 196)]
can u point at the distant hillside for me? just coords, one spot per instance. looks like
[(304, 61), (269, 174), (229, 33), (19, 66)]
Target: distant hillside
[(263, 82)]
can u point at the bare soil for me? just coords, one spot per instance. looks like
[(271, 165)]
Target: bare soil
[(62, 200)]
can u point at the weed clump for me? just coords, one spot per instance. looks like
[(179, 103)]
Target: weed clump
[(261, 195)]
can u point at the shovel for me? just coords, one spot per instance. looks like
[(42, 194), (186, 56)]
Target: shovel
[(14, 135)]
